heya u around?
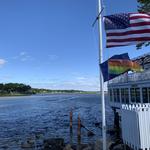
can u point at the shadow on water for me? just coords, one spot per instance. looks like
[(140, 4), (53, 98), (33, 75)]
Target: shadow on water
[(47, 116)]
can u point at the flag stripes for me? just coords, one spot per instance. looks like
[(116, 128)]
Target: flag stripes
[(127, 29)]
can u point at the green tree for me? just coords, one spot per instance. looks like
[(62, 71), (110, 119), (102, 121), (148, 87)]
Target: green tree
[(143, 7), (1, 87), (15, 88)]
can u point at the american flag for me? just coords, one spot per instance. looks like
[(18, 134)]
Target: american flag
[(127, 28)]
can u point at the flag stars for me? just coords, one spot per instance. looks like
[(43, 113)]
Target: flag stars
[(118, 21)]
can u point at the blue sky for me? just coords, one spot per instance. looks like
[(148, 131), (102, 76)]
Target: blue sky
[(51, 44)]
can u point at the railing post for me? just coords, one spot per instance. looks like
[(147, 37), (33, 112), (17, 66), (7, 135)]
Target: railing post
[(141, 96)]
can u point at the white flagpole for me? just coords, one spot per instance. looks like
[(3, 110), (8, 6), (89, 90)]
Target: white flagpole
[(101, 76)]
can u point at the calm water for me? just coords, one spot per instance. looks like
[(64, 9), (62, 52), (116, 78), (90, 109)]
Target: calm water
[(47, 116)]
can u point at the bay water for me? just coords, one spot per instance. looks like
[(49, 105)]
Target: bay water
[(47, 116)]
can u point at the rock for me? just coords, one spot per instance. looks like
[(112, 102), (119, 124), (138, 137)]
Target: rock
[(68, 147), (39, 133), (30, 143), (88, 148), (111, 144), (85, 147), (90, 133), (27, 145), (118, 147), (98, 145), (74, 147), (38, 136), (54, 144)]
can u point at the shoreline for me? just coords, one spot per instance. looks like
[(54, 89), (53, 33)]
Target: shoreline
[(15, 95), (42, 94)]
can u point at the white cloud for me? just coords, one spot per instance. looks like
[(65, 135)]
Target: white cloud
[(23, 56), (78, 83), (22, 53), (53, 57), (81, 78), (2, 62), (26, 58)]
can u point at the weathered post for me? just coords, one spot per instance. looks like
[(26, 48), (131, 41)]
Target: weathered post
[(79, 130), (71, 124), (71, 116)]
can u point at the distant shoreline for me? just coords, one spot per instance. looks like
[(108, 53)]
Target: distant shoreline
[(44, 94), (15, 95), (20, 89)]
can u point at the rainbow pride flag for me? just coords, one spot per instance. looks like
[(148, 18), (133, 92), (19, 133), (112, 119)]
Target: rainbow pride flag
[(117, 65)]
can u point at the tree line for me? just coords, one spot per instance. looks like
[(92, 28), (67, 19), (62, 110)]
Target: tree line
[(14, 89), (23, 89)]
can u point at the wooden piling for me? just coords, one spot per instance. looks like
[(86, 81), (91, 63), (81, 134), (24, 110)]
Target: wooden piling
[(71, 116), (71, 127), (79, 130)]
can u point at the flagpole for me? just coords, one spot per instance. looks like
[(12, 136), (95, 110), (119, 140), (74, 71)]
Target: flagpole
[(101, 76)]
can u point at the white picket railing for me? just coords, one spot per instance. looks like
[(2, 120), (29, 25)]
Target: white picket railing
[(136, 126), (133, 77)]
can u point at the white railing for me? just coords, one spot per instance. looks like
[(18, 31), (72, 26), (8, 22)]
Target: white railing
[(136, 126), (133, 77)]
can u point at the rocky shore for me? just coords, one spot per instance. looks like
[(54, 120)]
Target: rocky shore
[(39, 142), (59, 144)]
